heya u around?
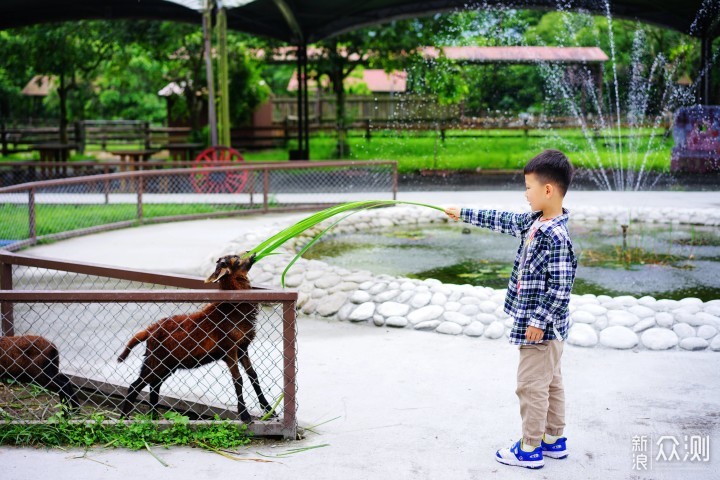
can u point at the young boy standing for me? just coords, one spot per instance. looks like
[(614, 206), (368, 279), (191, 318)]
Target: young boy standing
[(537, 299)]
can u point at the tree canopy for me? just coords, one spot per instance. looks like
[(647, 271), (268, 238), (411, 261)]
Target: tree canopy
[(114, 70)]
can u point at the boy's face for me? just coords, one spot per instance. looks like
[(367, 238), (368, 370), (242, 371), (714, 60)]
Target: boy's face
[(537, 193)]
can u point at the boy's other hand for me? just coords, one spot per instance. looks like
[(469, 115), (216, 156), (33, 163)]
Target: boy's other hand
[(453, 212), (534, 334)]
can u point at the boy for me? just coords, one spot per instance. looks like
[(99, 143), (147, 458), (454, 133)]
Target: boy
[(537, 299)]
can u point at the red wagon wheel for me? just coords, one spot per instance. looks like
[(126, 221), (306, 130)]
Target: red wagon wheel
[(218, 182)]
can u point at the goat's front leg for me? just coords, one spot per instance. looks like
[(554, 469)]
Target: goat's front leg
[(231, 360), (247, 365)]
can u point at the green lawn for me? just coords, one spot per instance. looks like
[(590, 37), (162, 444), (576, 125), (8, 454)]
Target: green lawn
[(52, 219), (462, 150), (498, 150)]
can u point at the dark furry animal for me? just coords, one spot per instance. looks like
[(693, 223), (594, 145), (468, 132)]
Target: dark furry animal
[(34, 359), (220, 331)]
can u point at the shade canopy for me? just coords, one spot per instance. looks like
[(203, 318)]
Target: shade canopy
[(307, 21)]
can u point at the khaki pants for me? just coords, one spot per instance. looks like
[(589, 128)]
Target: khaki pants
[(540, 390)]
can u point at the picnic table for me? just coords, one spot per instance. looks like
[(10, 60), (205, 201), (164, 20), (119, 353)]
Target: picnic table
[(183, 151), (132, 158), (54, 153)]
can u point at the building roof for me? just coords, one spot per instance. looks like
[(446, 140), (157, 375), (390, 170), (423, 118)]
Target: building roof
[(312, 20), (39, 86), (520, 54), (377, 81)]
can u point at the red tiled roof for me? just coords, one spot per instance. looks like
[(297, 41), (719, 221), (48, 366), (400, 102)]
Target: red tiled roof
[(39, 86), (520, 54), (378, 81), (475, 54)]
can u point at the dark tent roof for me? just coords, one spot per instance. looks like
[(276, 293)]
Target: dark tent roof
[(312, 20)]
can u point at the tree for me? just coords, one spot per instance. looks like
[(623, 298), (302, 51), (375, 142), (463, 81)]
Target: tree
[(72, 51), (390, 46)]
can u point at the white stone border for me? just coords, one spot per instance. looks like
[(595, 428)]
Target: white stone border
[(623, 322)]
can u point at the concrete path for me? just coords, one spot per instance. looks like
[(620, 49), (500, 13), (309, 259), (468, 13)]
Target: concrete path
[(407, 404)]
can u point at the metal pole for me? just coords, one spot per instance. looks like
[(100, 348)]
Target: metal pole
[(394, 180), (300, 78), (140, 186), (289, 369), (6, 308), (31, 214), (212, 116), (266, 188), (306, 111), (223, 79)]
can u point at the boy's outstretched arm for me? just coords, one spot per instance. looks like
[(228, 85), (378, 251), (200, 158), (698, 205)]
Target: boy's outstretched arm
[(561, 275), (503, 222)]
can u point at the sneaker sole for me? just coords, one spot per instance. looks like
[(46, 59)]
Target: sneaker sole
[(555, 455), (515, 463)]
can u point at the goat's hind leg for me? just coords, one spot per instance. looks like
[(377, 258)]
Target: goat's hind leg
[(232, 362), (65, 389), (132, 394), (155, 383), (147, 374), (247, 365)]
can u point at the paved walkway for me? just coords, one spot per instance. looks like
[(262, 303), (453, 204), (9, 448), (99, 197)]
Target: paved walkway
[(407, 404)]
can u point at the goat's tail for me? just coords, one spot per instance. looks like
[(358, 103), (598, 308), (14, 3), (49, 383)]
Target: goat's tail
[(139, 337)]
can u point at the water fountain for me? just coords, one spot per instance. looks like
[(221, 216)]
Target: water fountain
[(632, 124)]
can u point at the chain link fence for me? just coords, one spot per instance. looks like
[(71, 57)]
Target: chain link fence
[(81, 317), (69, 207)]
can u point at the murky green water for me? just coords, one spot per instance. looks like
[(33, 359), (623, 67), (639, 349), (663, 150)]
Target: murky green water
[(662, 261)]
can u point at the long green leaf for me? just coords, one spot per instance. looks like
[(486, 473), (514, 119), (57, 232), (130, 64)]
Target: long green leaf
[(310, 244), (270, 244)]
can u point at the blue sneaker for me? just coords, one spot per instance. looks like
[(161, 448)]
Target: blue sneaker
[(518, 457), (555, 450)]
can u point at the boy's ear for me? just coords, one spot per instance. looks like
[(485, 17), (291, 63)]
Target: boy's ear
[(549, 189)]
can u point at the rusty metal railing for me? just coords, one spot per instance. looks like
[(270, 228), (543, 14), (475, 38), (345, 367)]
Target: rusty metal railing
[(69, 207)]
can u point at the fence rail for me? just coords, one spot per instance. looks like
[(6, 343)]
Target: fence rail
[(89, 327), (365, 122), (69, 207)]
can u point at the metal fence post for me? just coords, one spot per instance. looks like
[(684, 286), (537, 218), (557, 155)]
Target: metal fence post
[(289, 370), (394, 180), (146, 135), (3, 140), (79, 137), (6, 308), (140, 187), (266, 187), (31, 215), (106, 184)]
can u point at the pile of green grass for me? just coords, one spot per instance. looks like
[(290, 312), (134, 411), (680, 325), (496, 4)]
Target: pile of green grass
[(142, 432)]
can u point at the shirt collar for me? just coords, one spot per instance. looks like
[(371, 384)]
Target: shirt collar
[(553, 221)]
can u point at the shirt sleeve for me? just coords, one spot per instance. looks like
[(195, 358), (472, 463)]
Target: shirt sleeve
[(561, 275), (504, 222)]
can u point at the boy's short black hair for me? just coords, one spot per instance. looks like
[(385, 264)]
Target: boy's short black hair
[(552, 166)]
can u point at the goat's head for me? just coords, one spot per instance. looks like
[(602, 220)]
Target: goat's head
[(232, 265)]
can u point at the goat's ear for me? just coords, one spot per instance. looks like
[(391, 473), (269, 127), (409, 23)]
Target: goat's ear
[(217, 274)]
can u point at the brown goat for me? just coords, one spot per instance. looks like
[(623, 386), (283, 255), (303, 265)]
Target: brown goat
[(34, 359), (220, 331)]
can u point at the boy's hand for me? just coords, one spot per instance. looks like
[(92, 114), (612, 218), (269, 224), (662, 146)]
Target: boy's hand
[(453, 212), (534, 334)]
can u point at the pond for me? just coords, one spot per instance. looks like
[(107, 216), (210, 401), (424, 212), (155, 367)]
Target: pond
[(664, 261)]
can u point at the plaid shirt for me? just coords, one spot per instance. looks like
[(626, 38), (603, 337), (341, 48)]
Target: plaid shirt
[(547, 276)]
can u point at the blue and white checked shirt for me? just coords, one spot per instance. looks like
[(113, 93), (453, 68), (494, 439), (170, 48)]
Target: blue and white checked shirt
[(547, 276)]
